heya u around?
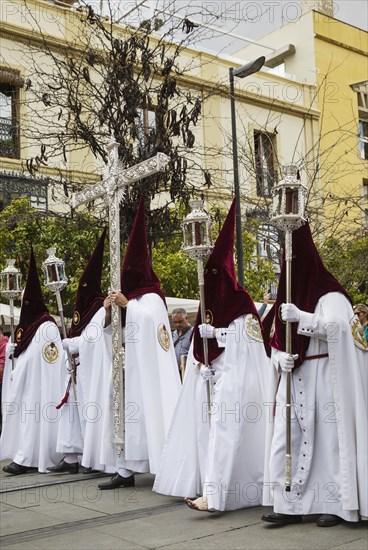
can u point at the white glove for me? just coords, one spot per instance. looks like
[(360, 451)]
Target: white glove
[(206, 331), (11, 348), (207, 373), (290, 313), (70, 345), (286, 361), (221, 336)]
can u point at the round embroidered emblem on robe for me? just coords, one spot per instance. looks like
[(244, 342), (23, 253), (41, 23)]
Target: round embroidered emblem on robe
[(50, 352), (252, 328), (163, 337), (18, 335)]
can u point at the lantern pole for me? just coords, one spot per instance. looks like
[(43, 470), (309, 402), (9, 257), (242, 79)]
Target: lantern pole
[(11, 289), (198, 245), (56, 281), (288, 214)]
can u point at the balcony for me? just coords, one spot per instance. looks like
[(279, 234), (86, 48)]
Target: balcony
[(9, 138)]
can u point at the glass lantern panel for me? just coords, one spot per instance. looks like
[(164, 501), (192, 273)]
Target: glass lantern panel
[(188, 235), (61, 272), (199, 232), (4, 281), (52, 274), (291, 206), (11, 281)]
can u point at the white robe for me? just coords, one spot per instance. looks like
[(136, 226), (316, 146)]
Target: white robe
[(31, 392), (152, 382), (223, 459), (69, 437), (94, 379), (82, 426), (324, 431)]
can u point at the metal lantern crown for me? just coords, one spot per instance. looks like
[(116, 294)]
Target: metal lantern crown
[(54, 271), (197, 231), (11, 279), (289, 198)]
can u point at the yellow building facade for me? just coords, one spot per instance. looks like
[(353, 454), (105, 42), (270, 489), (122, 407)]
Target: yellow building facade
[(333, 56)]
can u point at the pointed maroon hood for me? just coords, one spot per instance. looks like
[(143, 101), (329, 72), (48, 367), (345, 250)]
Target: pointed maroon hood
[(310, 280), (33, 311), (225, 299), (137, 275), (89, 298)]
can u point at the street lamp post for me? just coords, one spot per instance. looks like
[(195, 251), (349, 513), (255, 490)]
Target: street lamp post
[(241, 72)]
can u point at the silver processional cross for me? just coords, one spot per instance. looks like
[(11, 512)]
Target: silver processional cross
[(112, 189)]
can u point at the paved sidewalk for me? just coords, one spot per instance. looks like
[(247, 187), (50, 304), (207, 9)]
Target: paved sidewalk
[(74, 514)]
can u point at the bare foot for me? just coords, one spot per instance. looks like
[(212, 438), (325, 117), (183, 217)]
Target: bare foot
[(200, 504)]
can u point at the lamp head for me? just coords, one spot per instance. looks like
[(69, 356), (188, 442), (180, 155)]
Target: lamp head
[(10, 281), (250, 68)]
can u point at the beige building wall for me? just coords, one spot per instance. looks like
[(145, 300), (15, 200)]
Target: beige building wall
[(265, 102)]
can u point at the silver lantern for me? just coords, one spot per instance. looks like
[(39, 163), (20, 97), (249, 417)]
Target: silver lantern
[(289, 198), (197, 231), (55, 280), (198, 245), (11, 279), (10, 288), (54, 272), (288, 214)]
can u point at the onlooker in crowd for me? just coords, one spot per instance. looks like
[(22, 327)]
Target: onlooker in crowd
[(181, 335), (262, 309), (361, 311)]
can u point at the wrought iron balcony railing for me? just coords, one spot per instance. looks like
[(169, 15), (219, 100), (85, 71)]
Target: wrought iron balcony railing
[(9, 138)]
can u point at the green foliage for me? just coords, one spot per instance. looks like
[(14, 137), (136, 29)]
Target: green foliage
[(177, 272), (74, 239), (348, 262)]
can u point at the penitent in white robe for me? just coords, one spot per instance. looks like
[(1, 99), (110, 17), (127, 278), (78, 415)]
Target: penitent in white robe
[(223, 459), (82, 426), (328, 402), (95, 403), (31, 393), (152, 382)]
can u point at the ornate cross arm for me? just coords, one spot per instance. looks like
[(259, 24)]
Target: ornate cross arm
[(124, 177)]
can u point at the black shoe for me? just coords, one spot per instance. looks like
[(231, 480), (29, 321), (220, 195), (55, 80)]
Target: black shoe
[(63, 466), (281, 519), (15, 469), (91, 471), (328, 520), (117, 481)]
